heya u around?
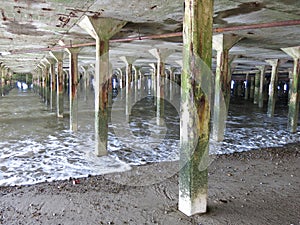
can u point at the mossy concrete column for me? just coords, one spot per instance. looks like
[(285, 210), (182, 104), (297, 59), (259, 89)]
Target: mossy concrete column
[(128, 60), (256, 87), (195, 108), (59, 56), (222, 43), (294, 52), (273, 86), (161, 55), (73, 85), (101, 29), (261, 86)]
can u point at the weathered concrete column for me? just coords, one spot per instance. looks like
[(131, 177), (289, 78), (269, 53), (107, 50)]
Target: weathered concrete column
[(101, 29), (46, 65), (161, 55), (85, 80), (59, 56), (73, 84), (2, 68), (252, 78), (52, 80), (247, 87), (273, 86), (128, 60), (195, 109), (172, 80), (136, 81), (121, 80), (261, 86), (42, 75), (153, 79), (294, 52), (222, 43), (256, 87)]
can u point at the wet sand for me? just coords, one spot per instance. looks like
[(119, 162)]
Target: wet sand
[(256, 187)]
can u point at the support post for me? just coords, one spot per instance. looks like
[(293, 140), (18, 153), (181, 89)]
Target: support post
[(261, 86), (128, 60), (161, 55), (256, 87), (59, 56), (247, 86), (101, 29), (222, 43), (194, 138), (273, 86), (294, 52), (73, 84)]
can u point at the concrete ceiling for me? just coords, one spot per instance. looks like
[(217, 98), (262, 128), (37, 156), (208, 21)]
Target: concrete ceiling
[(29, 28)]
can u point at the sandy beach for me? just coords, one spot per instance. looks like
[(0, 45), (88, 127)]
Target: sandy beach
[(257, 187)]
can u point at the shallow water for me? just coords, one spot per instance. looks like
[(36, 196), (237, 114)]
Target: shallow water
[(36, 146)]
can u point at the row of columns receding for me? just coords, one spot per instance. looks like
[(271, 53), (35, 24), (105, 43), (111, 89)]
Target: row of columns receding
[(195, 91)]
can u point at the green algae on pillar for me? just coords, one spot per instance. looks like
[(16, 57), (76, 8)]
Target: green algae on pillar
[(273, 86), (222, 43), (101, 29), (294, 52), (59, 56), (195, 108)]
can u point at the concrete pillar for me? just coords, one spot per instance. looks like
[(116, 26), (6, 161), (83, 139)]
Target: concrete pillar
[(222, 43), (161, 55), (128, 60), (59, 56), (252, 78), (73, 84), (136, 82), (42, 84), (172, 80), (247, 87), (85, 80), (256, 87), (46, 88), (261, 86), (273, 86), (195, 108), (294, 52), (101, 29), (2, 79), (153, 78), (121, 80), (52, 80)]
